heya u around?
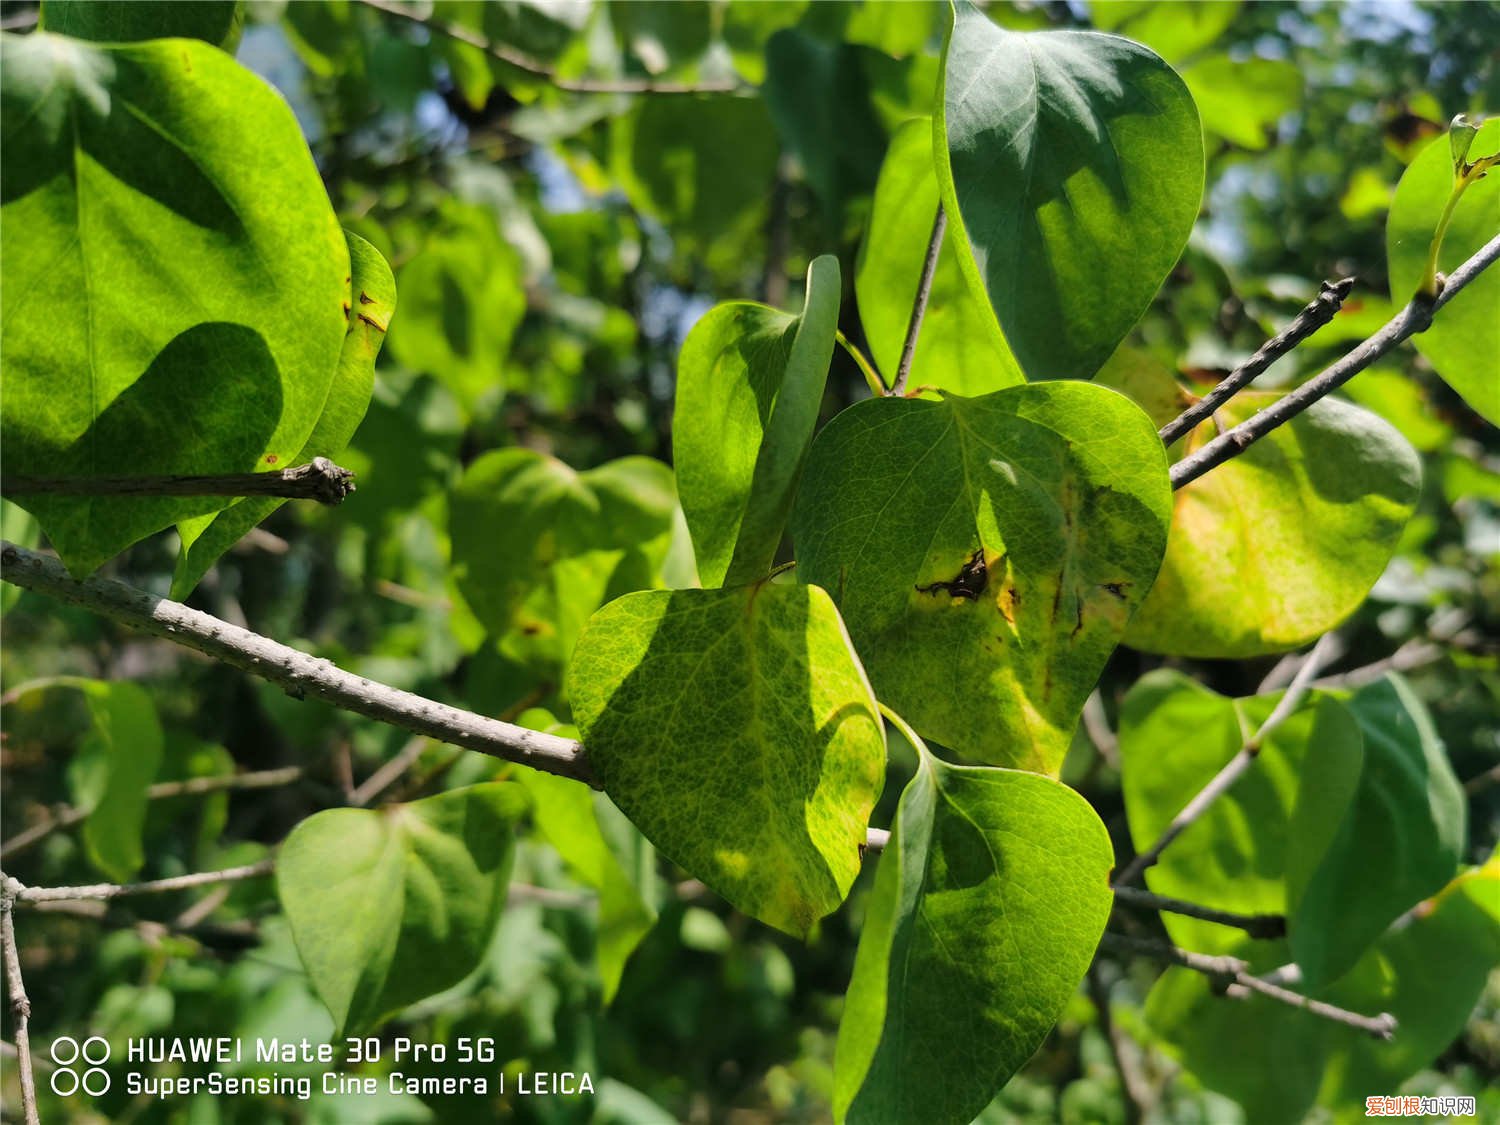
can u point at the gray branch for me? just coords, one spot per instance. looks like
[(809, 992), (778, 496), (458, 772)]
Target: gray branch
[(1232, 977), (20, 1005), (295, 672), (1320, 311), (919, 303), (1415, 317), (1266, 927)]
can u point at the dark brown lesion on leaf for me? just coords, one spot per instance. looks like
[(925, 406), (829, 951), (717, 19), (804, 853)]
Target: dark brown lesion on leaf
[(1115, 588), (969, 583)]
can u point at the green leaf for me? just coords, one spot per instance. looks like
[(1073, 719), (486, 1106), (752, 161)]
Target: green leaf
[(1059, 489), (568, 814), (819, 98), (1173, 30), (988, 905), (116, 763), (736, 729), (1242, 99), (663, 34), (371, 304), (1252, 851), (749, 25), (1279, 545), (1427, 972), (1433, 973), (703, 166), (107, 21), (1073, 163), (390, 906), (463, 299), (749, 384), (538, 547), (960, 348), (173, 278), (1408, 816), (1465, 335)]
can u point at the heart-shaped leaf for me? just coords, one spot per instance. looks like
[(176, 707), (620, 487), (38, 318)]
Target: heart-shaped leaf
[(988, 905), (393, 905), (986, 554), (1073, 163), (1279, 545), (1464, 339), (960, 347), (371, 304), (736, 729), (749, 383), (192, 321), (538, 547)]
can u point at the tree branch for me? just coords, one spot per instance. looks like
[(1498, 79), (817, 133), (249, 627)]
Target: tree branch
[(919, 304), (1231, 976), (296, 672), (69, 815), (1415, 317), (1236, 767), (522, 61), (1135, 1092), (1265, 927), (1319, 312), (20, 1005), (104, 891), (320, 479)]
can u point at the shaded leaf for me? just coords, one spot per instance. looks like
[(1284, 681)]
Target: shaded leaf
[(196, 328), (1242, 99), (735, 728), (749, 384), (960, 348), (393, 905), (116, 763), (1059, 491), (1073, 163), (988, 905), (537, 547), (371, 304), (107, 21), (1408, 817)]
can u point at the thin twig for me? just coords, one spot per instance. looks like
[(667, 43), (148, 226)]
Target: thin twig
[(101, 891), (919, 303), (320, 479), (69, 815), (20, 1005), (1096, 725), (1265, 927), (1414, 318), (1135, 1091), (1231, 976), (387, 774), (1236, 767), (521, 61), (1320, 311), (296, 672)]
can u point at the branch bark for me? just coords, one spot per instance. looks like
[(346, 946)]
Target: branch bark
[(20, 1005), (105, 891), (1415, 317), (1236, 767), (320, 479), (1320, 311), (1232, 977), (522, 61), (297, 673), (919, 304)]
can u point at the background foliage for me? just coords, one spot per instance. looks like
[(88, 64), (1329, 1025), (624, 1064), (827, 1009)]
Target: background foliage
[(554, 250)]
